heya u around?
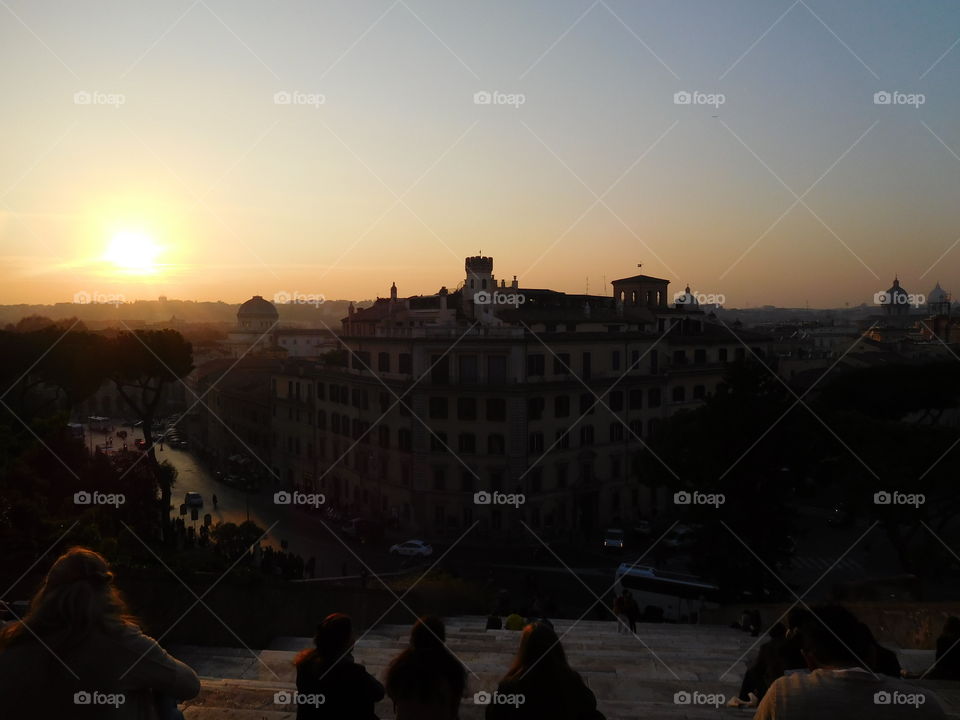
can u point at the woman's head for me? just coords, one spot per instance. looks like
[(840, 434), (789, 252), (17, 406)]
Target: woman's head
[(76, 597), (540, 652), (428, 632), (334, 636)]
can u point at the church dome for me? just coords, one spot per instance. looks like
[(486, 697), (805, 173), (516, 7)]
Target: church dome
[(256, 308), (937, 295), (687, 299)]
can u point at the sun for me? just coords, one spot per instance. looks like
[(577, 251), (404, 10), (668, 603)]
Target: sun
[(132, 252)]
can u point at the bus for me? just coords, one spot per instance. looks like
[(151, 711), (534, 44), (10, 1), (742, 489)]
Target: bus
[(666, 595)]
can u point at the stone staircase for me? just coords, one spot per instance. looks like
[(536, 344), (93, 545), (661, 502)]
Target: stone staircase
[(632, 677)]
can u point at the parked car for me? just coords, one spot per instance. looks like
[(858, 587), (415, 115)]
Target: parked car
[(415, 548), (613, 540), (193, 499), (681, 537)]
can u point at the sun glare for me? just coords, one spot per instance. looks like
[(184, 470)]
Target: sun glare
[(132, 252)]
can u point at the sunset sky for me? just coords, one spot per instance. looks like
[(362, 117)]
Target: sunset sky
[(146, 152)]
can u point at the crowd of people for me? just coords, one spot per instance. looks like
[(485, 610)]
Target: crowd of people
[(79, 653)]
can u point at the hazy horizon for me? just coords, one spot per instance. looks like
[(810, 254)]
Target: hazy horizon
[(213, 150)]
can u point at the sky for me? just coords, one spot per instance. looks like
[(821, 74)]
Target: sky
[(218, 149)]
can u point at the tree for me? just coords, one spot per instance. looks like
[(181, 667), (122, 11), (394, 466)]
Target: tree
[(143, 364)]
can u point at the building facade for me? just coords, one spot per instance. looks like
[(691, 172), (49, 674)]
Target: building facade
[(497, 392)]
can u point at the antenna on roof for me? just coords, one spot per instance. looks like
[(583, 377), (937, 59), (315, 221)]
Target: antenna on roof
[(639, 264)]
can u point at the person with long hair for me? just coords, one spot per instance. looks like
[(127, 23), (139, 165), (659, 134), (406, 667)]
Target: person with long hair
[(330, 685), (541, 684), (425, 681), (79, 653)]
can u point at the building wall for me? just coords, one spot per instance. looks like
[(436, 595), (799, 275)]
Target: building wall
[(506, 414)]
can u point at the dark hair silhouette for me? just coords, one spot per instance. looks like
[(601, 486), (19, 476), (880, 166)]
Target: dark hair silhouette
[(426, 674), (332, 641), (428, 633), (951, 628), (835, 636), (540, 655), (77, 597)]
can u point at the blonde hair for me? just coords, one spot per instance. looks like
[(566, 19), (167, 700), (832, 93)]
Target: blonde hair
[(77, 597)]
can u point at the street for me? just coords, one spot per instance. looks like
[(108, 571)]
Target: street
[(306, 533)]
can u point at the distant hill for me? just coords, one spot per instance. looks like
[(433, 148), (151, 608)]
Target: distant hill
[(156, 311)]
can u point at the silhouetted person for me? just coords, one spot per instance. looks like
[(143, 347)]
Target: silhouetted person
[(620, 614), (550, 688), (79, 638), (947, 666), (839, 686), (494, 622), (791, 649), (881, 660), (767, 667), (349, 692), (631, 610), (425, 681)]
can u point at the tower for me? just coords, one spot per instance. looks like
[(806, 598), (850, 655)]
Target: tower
[(479, 271)]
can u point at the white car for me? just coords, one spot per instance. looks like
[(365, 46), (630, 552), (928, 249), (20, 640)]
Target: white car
[(412, 548), (193, 499)]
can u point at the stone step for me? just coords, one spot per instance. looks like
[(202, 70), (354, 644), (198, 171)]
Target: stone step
[(247, 700)]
